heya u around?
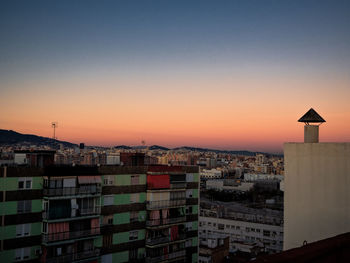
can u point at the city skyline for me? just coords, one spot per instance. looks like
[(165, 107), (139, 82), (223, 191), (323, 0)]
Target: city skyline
[(231, 75)]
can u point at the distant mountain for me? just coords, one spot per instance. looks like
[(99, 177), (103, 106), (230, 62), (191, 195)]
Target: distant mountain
[(9, 137), (140, 147), (123, 147), (157, 147)]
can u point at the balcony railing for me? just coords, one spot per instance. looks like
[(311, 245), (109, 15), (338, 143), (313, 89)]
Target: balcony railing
[(74, 257), (163, 240), (165, 221), (67, 191), (53, 237), (78, 213), (165, 203), (178, 185), (173, 255)]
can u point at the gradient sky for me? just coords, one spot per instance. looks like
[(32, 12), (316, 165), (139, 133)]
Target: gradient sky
[(220, 74)]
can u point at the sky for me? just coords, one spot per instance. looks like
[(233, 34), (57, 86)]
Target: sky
[(233, 75)]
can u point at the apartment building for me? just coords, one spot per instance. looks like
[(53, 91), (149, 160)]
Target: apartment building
[(243, 225), (99, 214)]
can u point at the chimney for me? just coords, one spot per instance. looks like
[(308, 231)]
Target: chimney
[(311, 131)]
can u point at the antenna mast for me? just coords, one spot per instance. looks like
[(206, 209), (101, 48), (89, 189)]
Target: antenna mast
[(54, 125)]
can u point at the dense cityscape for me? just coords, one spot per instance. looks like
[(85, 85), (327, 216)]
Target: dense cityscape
[(179, 131)]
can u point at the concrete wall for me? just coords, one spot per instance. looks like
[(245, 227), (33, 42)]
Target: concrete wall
[(317, 191)]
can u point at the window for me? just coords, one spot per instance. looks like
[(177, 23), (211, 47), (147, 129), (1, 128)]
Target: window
[(108, 180), (25, 183), (221, 226), (107, 240), (133, 235), (135, 179), (23, 230), (134, 198), (133, 253), (44, 228), (46, 205), (46, 183), (266, 233), (134, 216), (189, 193), (108, 220), (108, 200), (24, 206), (22, 253)]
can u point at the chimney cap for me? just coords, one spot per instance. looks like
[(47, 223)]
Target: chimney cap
[(311, 117)]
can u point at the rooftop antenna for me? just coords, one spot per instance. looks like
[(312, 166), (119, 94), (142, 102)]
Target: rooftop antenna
[(54, 125)]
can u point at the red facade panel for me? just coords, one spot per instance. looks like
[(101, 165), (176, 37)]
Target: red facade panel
[(161, 181)]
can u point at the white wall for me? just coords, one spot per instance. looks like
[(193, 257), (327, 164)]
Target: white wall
[(317, 191)]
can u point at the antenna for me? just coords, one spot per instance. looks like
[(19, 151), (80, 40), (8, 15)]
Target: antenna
[(54, 125)]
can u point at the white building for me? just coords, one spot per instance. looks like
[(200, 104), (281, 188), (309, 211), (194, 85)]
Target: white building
[(317, 187), (244, 225), (222, 184), (316, 191), (254, 177), (210, 174), (270, 236)]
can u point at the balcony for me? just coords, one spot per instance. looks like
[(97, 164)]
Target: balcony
[(71, 191), (74, 257), (165, 203), (77, 213), (54, 237), (178, 185), (163, 240), (165, 221), (170, 256)]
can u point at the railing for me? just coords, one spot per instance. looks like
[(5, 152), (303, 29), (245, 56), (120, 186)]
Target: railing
[(75, 256), (157, 240), (165, 221), (173, 255), (89, 211), (67, 191), (178, 185), (53, 237), (162, 240), (78, 213), (165, 203)]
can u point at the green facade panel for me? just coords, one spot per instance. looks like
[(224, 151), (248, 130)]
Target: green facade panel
[(37, 206), (194, 258), (122, 199), (37, 183), (9, 184), (121, 257), (7, 255), (8, 208), (142, 197), (122, 179), (98, 241), (119, 238), (194, 241), (8, 232), (121, 218)]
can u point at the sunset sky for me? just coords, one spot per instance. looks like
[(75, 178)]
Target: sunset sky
[(222, 74)]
